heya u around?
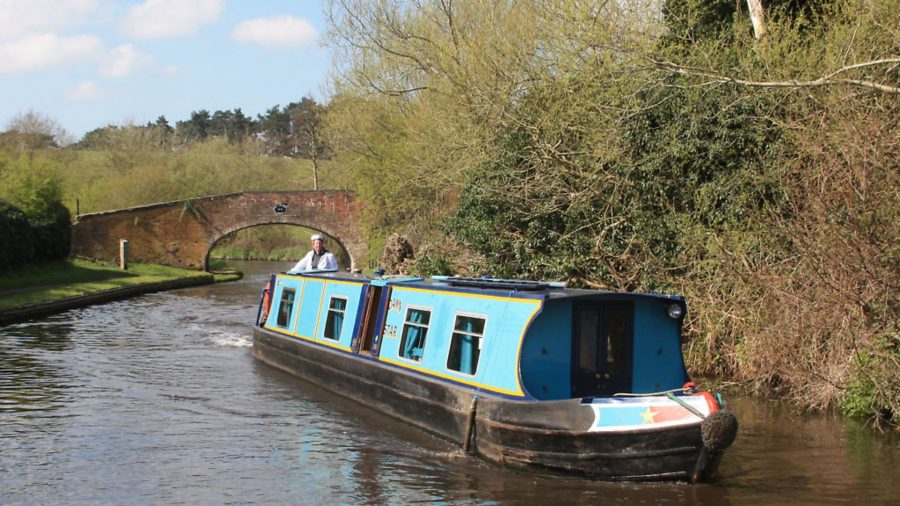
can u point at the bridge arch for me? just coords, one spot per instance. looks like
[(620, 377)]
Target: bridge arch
[(333, 244), (181, 233)]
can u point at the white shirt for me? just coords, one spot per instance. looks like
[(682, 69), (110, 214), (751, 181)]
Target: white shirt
[(327, 261)]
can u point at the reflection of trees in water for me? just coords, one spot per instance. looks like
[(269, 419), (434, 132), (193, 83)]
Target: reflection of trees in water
[(30, 379)]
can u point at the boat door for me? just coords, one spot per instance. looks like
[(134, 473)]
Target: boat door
[(369, 327), (602, 341)]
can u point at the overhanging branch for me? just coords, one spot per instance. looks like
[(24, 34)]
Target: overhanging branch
[(831, 79)]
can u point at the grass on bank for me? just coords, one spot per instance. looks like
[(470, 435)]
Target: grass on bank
[(34, 284)]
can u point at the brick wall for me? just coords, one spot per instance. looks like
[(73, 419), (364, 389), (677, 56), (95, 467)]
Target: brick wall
[(181, 233)]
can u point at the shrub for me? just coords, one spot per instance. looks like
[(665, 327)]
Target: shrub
[(14, 224)]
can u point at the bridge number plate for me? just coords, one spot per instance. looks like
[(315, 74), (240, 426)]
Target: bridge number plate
[(281, 208)]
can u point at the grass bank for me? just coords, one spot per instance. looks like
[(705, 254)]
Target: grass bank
[(249, 253), (38, 284)]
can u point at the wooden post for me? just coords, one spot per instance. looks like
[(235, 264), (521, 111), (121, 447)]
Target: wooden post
[(123, 254)]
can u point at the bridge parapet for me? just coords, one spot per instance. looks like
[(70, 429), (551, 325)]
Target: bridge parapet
[(181, 233)]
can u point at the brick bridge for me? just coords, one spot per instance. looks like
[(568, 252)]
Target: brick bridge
[(182, 233)]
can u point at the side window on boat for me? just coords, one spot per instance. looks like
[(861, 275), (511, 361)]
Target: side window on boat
[(335, 321), (285, 307), (465, 345), (415, 329)]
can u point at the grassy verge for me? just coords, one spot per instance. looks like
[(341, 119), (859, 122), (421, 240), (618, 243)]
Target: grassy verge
[(35, 284), (222, 272), (248, 253)]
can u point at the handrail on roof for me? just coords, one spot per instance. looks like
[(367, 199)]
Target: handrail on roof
[(310, 271), (499, 283)]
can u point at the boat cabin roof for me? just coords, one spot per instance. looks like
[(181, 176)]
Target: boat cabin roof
[(526, 289)]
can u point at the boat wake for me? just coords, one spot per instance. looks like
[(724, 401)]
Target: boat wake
[(231, 340)]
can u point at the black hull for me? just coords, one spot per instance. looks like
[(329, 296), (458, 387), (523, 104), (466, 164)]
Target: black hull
[(545, 436)]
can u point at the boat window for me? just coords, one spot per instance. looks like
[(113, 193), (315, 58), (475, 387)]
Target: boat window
[(285, 307), (335, 321), (415, 329), (465, 345), (588, 320)]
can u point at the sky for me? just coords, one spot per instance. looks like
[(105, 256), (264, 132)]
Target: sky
[(92, 63)]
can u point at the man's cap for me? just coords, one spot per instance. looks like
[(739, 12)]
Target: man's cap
[(317, 237)]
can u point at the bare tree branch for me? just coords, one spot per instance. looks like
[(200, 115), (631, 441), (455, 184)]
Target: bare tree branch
[(827, 80)]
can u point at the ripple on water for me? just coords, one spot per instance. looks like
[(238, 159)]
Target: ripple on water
[(158, 400)]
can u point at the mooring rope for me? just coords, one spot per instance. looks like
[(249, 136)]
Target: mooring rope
[(686, 406), (684, 390)]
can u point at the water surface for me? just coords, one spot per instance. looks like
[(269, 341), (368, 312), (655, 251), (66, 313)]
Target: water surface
[(157, 400)]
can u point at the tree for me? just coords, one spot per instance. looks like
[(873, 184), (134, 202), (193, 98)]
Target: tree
[(34, 130), (757, 17), (275, 127), (233, 125), (308, 134), (672, 151), (195, 129)]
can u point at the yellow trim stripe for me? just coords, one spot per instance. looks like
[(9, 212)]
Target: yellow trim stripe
[(519, 393), (326, 342), (538, 303), (319, 312), (336, 282), (299, 304), (429, 372), (521, 341), (464, 294), (324, 280)]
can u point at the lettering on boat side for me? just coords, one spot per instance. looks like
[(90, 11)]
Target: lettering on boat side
[(395, 305), (390, 331), (281, 208)]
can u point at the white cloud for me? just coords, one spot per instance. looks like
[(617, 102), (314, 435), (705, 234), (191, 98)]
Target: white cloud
[(85, 90), (40, 51), (169, 18), (122, 61), (280, 32), (19, 17)]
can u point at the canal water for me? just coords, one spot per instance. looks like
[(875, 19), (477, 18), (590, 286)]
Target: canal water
[(157, 400)]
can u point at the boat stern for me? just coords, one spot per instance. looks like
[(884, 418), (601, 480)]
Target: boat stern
[(647, 438)]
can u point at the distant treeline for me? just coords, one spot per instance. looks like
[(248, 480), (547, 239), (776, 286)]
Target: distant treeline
[(293, 130)]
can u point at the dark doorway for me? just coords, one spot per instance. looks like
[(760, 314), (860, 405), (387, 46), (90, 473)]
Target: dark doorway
[(370, 318), (602, 348)]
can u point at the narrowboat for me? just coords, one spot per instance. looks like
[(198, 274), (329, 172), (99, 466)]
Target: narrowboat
[(526, 374)]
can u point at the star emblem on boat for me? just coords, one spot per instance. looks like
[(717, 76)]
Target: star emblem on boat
[(648, 415)]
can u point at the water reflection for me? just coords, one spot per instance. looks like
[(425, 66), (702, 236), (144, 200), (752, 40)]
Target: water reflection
[(379, 460), (31, 378), (158, 400), (784, 452)]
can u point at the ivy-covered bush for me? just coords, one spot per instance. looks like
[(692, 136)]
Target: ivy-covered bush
[(15, 248), (34, 223)]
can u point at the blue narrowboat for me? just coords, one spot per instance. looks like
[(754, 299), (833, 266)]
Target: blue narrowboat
[(526, 374)]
